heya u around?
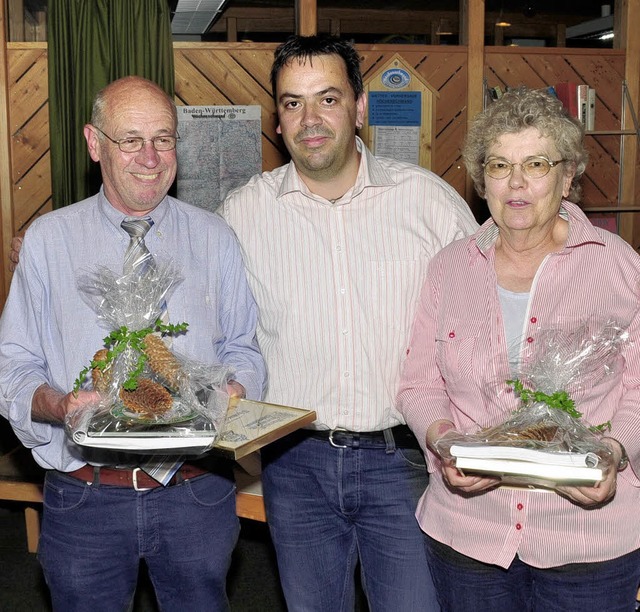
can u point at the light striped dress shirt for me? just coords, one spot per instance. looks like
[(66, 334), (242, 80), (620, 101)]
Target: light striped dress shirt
[(337, 284), (457, 368)]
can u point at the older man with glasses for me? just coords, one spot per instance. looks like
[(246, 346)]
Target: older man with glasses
[(102, 514)]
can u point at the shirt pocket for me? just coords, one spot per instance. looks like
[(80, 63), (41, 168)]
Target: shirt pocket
[(457, 349)]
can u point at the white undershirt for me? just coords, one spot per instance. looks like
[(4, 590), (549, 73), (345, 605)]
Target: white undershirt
[(514, 310)]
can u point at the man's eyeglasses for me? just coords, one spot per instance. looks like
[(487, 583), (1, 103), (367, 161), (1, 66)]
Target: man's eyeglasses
[(534, 167), (133, 144)]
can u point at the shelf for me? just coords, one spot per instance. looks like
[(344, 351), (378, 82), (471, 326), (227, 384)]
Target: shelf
[(611, 133), (611, 209)]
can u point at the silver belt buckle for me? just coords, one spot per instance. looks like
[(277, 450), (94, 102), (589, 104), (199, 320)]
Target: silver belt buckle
[(331, 438), (134, 479)]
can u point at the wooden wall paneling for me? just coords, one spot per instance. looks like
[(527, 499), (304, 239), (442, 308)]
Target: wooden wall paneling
[(20, 59), (29, 143), (29, 91), (629, 223), (32, 196), (6, 205), (257, 64), (190, 86), (474, 21), (447, 73)]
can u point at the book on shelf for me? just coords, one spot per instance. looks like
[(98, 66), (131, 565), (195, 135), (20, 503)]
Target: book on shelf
[(582, 104), (567, 92), (579, 100), (591, 110)]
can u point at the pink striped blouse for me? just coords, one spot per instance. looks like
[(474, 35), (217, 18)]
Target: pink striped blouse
[(337, 284), (456, 368)]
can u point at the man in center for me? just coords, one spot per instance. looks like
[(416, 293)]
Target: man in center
[(336, 245)]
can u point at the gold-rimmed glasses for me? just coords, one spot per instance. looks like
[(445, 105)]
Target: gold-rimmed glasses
[(133, 144), (534, 167)]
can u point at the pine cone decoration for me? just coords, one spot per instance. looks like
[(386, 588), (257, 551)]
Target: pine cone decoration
[(101, 378), (542, 432), (149, 399), (162, 361)]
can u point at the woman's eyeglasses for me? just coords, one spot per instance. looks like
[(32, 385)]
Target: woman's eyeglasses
[(534, 167)]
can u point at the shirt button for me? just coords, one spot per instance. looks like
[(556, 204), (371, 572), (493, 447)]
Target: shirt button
[(518, 526), (346, 374), (338, 248), (343, 290), (534, 319), (529, 339), (519, 506), (345, 331), (452, 334)]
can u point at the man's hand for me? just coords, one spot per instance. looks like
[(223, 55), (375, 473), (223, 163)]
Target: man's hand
[(51, 406), (14, 255), (235, 389)]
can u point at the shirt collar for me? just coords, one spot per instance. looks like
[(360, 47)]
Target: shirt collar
[(115, 217), (370, 174), (581, 230)]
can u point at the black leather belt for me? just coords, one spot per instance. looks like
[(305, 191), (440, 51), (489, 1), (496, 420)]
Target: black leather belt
[(342, 438)]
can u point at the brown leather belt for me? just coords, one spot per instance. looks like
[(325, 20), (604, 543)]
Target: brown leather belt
[(134, 478)]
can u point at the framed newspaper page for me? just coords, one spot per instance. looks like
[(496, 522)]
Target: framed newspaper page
[(250, 425)]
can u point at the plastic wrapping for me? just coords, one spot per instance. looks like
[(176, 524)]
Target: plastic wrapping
[(152, 399), (547, 420)]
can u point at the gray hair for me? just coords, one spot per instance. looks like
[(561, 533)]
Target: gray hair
[(517, 110)]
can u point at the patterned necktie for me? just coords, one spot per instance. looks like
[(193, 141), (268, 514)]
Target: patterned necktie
[(137, 258)]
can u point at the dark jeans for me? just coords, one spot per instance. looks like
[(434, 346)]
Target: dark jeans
[(466, 585), (93, 538), (328, 507)]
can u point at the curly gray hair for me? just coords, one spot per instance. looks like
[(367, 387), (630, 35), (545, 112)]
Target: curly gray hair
[(517, 110)]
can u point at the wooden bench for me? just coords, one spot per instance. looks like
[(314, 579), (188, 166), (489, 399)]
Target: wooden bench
[(21, 480)]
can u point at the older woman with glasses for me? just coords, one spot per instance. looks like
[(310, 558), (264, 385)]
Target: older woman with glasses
[(537, 264)]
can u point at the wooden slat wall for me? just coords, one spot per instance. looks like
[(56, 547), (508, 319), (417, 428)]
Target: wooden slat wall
[(29, 124), (238, 73)]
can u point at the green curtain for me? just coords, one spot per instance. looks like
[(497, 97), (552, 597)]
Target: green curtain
[(90, 44)]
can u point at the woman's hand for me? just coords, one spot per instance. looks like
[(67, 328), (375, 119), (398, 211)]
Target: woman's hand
[(450, 473), (469, 484), (603, 491)]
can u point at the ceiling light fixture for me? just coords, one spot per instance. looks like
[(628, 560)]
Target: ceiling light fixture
[(502, 22)]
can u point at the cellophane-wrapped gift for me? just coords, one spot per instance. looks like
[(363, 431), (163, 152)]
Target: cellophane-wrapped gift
[(545, 441), (153, 400)]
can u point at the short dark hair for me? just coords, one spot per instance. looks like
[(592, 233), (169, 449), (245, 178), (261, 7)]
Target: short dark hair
[(306, 47)]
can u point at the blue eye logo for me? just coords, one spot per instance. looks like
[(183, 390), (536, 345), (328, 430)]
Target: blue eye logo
[(395, 78)]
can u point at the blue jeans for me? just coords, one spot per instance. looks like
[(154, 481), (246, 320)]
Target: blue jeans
[(329, 507), (465, 584), (93, 538)]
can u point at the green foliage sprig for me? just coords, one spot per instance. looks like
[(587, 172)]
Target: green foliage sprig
[(559, 400), (121, 339)]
